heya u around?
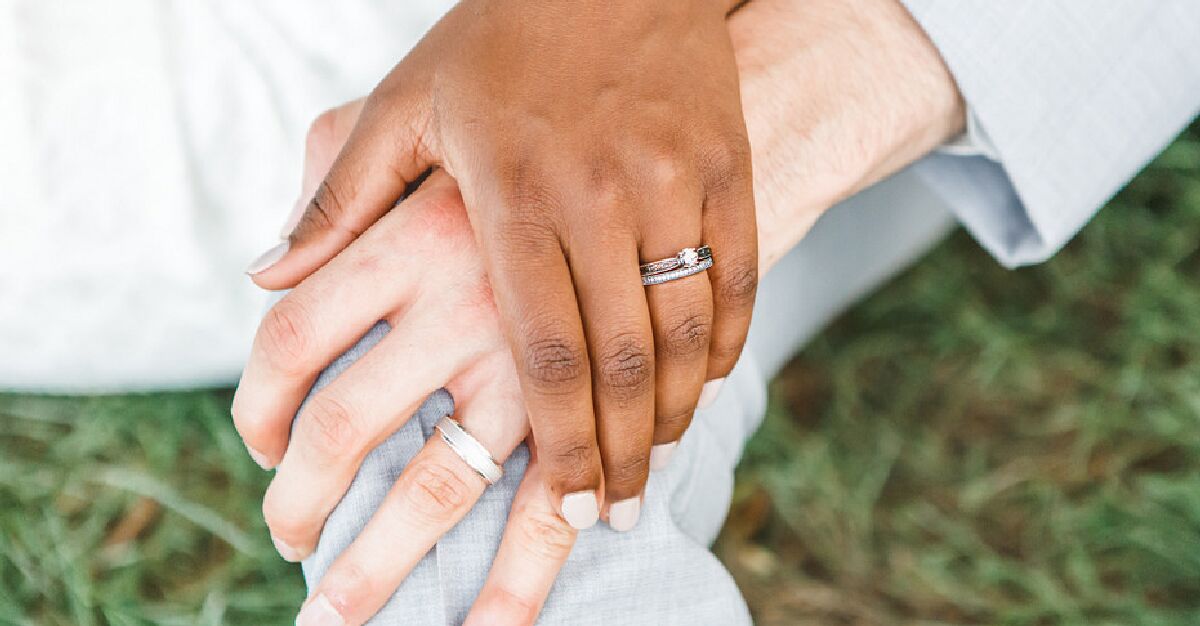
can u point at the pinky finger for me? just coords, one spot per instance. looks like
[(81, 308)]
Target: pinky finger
[(536, 543)]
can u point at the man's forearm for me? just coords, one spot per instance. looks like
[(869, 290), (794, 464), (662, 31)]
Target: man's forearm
[(838, 94)]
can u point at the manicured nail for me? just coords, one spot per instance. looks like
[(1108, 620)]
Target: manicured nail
[(623, 515), (288, 553), (708, 393), (319, 612), (268, 258), (580, 509), (660, 455), (260, 458), (293, 219)]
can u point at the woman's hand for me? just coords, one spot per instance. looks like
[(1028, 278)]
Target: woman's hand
[(587, 137)]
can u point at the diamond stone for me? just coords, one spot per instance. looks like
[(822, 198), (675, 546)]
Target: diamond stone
[(689, 256)]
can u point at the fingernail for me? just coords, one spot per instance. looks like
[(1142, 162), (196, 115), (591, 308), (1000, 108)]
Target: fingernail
[(259, 458), (319, 612), (293, 219), (623, 515), (708, 393), (660, 455), (288, 553), (268, 258), (580, 509)]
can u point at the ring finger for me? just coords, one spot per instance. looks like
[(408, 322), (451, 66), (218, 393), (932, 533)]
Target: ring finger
[(434, 492), (681, 311)]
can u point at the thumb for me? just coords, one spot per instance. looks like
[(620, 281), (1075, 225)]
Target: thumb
[(357, 165)]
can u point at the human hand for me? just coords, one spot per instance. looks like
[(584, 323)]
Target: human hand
[(828, 115), (586, 137), (444, 328)]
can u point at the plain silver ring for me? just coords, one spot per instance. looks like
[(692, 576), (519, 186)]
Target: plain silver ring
[(469, 450)]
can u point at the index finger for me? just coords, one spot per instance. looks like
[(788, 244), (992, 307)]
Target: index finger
[(382, 156)]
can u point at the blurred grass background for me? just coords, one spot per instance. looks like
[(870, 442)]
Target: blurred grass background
[(967, 446)]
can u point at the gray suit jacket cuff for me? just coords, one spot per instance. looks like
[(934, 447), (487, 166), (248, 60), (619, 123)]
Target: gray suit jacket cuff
[(1073, 97)]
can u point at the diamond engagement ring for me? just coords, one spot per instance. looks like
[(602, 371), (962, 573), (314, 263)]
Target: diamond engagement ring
[(689, 261), (469, 450)]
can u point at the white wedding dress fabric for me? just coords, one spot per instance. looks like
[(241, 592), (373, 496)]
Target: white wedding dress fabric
[(149, 149)]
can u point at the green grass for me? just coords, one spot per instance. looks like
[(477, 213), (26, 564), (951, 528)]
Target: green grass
[(967, 446), (977, 446), (134, 510)]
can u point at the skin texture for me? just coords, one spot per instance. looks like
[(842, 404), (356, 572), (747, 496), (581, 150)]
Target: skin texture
[(890, 101), (587, 137)]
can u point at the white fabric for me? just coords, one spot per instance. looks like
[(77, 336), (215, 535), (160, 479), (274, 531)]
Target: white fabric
[(148, 151)]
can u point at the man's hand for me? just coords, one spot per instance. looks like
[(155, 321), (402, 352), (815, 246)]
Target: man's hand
[(838, 94), (445, 332)]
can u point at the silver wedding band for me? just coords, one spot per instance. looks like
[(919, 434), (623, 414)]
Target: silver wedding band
[(469, 450), (687, 262)]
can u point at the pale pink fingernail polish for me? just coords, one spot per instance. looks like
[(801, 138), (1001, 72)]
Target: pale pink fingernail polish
[(288, 553), (268, 258), (623, 515), (319, 612), (580, 509), (708, 393), (660, 455)]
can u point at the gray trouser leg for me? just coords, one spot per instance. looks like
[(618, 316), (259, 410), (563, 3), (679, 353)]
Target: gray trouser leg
[(662, 572)]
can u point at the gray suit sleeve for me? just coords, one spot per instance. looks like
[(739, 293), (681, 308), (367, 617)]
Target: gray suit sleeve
[(1075, 98)]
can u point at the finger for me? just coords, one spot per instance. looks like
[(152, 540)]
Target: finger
[(320, 319), (681, 312), (325, 138), (382, 155), (621, 344), (432, 494), (535, 546), (536, 300), (730, 230), (352, 416)]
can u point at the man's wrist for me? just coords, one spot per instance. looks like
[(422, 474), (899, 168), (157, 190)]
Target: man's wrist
[(837, 94)]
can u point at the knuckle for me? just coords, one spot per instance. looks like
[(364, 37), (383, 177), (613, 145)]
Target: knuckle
[(436, 492), (573, 463), (738, 284), (687, 335), (724, 356), (727, 163), (286, 336), (675, 422), (525, 188), (326, 208), (524, 235), (627, 473), (668, 175), (626, 367), (543, 532), (331, 426), (552, 361)]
